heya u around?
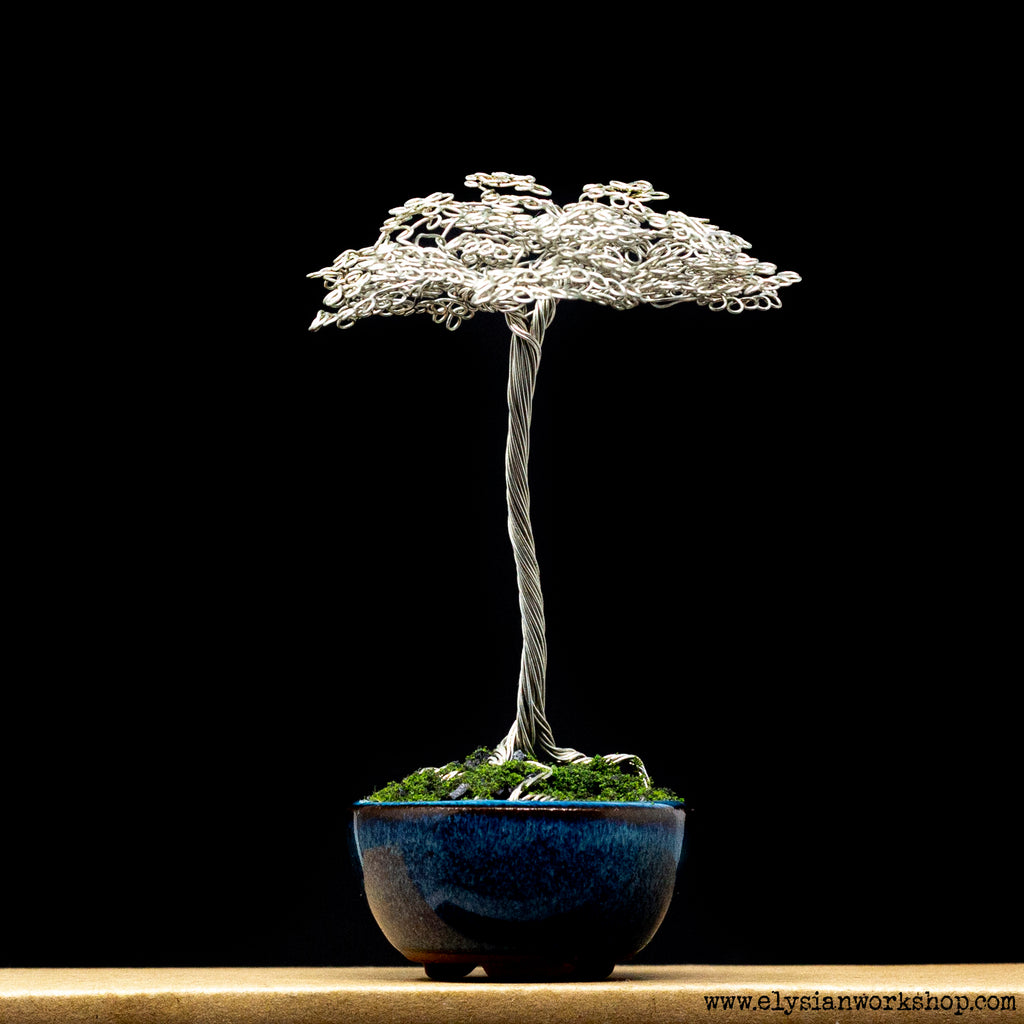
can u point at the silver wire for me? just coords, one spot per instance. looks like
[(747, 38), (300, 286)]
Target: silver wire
[(451, 259), (520, 255)]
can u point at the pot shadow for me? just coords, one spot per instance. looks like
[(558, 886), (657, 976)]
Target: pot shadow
[(479, 977)]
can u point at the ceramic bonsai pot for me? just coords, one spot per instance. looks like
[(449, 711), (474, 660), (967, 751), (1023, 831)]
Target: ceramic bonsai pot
[(526, 889)]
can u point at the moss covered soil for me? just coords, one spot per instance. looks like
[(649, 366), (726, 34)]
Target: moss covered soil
[(477, 779)]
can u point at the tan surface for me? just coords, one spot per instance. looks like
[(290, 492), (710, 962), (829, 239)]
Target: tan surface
[(396, 995)]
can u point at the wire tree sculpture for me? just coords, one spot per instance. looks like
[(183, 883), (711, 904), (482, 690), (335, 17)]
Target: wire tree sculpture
[(517, 253)]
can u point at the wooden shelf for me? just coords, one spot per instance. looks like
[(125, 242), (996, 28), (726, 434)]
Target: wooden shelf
[(989, 993)]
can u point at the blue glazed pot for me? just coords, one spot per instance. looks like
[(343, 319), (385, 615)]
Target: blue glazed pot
[(526, 889)]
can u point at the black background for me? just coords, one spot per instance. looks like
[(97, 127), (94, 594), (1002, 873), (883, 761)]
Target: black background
[(259, 572)]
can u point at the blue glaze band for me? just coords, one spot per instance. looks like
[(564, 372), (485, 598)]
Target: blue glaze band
[(519, 803), (576, 880)]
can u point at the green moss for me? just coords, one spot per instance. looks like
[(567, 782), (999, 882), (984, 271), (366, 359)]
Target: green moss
[(602, 780), (479, 780)]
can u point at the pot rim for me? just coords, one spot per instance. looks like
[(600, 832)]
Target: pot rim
[(521, 804)]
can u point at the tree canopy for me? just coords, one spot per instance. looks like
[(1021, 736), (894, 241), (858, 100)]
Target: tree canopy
[(451, 259)]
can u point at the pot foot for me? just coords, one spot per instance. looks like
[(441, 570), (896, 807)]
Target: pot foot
[(593, 970)]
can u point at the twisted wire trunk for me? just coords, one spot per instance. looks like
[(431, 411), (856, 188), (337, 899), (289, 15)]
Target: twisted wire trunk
[(531, 732)]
